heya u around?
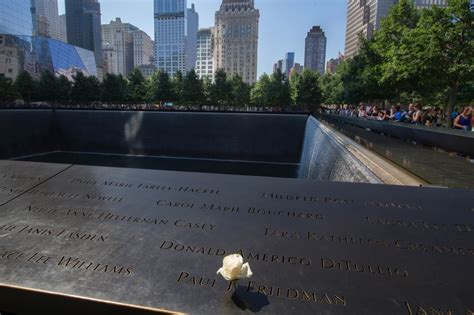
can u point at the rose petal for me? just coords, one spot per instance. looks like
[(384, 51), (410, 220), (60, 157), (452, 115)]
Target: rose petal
[(245, 272)]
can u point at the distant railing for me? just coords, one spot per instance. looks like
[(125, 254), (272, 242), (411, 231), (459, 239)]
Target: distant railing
[(450, 140)]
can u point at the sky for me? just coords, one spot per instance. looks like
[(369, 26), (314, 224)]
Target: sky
[(283, 23)]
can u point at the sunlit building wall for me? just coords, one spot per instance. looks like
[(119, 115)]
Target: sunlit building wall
[(204, 63), (236, 39)]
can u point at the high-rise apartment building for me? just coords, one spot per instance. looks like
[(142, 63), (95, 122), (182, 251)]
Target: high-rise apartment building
[(315, 50), (84, 27), (364, 17), (204, 62), (15, 17), (46, 18), (142, 49), (236, 39), (119, 36), (175, 41), (288, 63)]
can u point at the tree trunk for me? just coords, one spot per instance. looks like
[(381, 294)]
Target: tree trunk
[(453, 93)]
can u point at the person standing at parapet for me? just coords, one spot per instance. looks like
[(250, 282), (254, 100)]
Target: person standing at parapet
[(464, 120)]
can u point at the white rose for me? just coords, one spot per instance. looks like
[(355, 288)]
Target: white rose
[(233, 268)]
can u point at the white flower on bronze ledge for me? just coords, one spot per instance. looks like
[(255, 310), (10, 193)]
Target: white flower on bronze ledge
[(233, 268)]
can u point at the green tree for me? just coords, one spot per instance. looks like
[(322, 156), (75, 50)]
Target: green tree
[(391, 45), (444, 50), (260, 93), (26, 86), (137, 90), (85, 89), (240, 91), (114, 88), (161, 87), (280, 93), (221, 89), (308, 90), (47, 87), (178, 87), (7, 91), (193, 91), (63, 89), (332, 88)]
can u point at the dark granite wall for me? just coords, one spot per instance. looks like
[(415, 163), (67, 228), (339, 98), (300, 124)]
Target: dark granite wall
[(259, 137), (236, 136), (25, 132)]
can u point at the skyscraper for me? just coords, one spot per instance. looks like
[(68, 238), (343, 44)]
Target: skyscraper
[(278, 66), (204, 62), (15, 17), (365, 16), (84, 28), (142, 49), (62, 28), (315, 50), (288, 63), (192, 22), (46, 18), (175, 41), (236, 39), (119, 36)]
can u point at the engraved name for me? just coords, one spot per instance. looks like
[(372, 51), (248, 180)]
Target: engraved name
[(60, 195), (248, 255), (372, 243), (297, 294), (350, 266), (421, 225), (16, 177), (413, 309), (147, 186), (337, 201), (54, 232), (67, 262)]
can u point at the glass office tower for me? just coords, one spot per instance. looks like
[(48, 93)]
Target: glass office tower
[(36, 54), (15, 17), (170, 31)]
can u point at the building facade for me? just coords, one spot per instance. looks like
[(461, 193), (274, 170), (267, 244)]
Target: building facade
[(333, 63), (288, 63), (364, 17), (46, 18), (62, 28), (175, 41), (84, 27), (315, 50), (205, 46), (119, 36), (236, 39), (421, 4), (142, 49), (16, 17), (278, 66), (192, 22), (297, 69), (36, 54)]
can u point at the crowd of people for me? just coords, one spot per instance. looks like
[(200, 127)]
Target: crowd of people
[(414, 114)]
